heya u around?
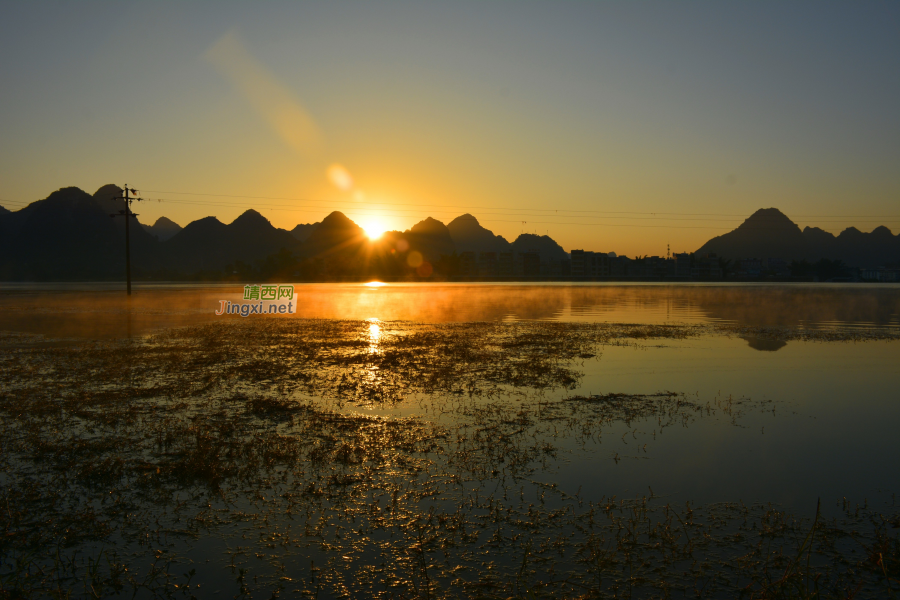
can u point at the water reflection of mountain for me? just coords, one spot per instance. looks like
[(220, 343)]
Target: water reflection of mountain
[(763, 344), (807, 307), (797, 306)]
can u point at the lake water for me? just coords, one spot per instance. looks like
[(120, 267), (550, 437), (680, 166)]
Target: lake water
[(836, 405), (103, 310), (819, 419)]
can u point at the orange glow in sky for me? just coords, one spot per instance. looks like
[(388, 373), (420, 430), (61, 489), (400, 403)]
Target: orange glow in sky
[(618, 127)]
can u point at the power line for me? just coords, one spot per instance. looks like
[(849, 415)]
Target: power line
[(540, 212), (398, 212), (510, 212), (463, 206), (382, 214)]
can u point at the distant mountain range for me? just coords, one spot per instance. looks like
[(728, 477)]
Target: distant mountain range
[(768, 233), (70, 235), (164, 228)]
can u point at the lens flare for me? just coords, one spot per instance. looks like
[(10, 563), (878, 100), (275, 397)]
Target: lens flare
[(414, 259), (425, 269), (340, 177), (271, 99)]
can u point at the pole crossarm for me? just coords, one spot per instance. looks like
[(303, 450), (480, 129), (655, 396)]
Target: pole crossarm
[(127, 214)]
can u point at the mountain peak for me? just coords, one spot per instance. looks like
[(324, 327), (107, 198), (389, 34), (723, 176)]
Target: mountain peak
[(769, 219), (466, 219), (882, 232), (336, 233), (544, 244), (303, 230), (770, 212), (767, 233), (470, 236), (850, 232), (338, 220), (163, 229), (108, 192), (429, 226), (205, 222), (432, 238), (252, 218), (166, 222), (66, 195)]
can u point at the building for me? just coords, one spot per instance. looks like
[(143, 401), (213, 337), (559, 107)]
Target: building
[(880, 274), (776, 267), (655, 266), (467, 264), (559, 268), (588, 265), (682, 266), (706, 267), (531, 264), (506, 265), (488, 266), (749, 268), (579, 258)]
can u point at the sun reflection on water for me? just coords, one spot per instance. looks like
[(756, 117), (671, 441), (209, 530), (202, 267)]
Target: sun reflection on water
[(374, 334)]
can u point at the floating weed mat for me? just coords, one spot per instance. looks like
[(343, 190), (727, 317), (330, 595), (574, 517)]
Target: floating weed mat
[(227, 461), (368, 363)]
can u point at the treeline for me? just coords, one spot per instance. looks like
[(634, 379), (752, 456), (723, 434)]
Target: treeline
[(287, 266)]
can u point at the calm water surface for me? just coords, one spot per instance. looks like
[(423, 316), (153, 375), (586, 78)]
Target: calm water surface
[(830, 429), (103, 310)]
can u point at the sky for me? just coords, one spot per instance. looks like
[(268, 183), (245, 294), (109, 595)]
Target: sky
[(610, 126)]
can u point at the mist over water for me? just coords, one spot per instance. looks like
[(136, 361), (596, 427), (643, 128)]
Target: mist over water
[(103, 310)]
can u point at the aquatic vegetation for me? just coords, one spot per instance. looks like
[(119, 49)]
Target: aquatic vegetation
[(256, 458)]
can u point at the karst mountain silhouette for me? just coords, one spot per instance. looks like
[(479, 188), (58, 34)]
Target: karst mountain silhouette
[(69, 235)]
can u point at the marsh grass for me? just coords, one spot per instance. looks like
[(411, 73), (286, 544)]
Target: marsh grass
[(119, 460)]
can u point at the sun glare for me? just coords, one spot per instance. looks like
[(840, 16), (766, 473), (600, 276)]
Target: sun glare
[(373, 229)]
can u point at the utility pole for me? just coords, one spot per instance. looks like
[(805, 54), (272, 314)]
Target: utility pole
[(127, 214)]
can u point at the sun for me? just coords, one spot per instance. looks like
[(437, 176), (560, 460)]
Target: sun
[(374, 229)]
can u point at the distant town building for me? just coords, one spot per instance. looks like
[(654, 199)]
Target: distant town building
[(506, 265), (776, 267), (559, 268), (531, 263), (749, 268), (655, 266), (706, 267), (585, 264), (682, 265), (880, 274), (488, 266), (467, 264), (578, 260)]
